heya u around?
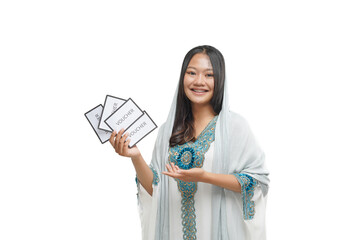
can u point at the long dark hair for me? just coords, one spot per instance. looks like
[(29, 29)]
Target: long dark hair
[(183, 130)]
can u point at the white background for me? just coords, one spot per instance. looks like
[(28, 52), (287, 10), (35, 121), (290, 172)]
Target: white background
[(292, 67)]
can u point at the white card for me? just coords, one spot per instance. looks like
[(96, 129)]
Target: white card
[(140, 128), (111, 104), (124, 116), (93, 116)]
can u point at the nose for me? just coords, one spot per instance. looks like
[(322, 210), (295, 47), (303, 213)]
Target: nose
[(200, 79)]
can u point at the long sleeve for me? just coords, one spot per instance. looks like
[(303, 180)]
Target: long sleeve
[(248, 185), (245, 211), (147, 206)]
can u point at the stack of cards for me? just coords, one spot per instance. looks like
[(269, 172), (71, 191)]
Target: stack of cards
[(118, 113)]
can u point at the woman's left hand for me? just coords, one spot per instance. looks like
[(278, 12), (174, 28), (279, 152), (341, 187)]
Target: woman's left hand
[(191, 175)]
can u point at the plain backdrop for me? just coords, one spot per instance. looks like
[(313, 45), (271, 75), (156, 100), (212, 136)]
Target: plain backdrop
[(293, 73)]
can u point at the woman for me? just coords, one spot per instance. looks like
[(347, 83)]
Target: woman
[(207, 178)]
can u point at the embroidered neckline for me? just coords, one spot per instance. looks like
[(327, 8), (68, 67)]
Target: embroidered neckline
[(214, 119), (187, 156)]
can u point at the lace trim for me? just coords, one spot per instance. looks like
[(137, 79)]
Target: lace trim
[(247, 190), (187, 156), (156, 178)]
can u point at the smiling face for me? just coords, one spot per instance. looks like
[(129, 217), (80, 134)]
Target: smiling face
[(199, 80)]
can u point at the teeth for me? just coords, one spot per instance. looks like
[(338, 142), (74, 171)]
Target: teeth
[(199, 90)]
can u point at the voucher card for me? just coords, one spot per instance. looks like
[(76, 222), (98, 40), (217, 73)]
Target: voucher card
[(111, 104), (93, 116), (140, 128), (124, 116)]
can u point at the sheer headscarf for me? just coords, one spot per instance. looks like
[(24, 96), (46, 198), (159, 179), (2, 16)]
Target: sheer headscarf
[(236, 151)]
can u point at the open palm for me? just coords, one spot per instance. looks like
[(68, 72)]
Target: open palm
[(190, 175)]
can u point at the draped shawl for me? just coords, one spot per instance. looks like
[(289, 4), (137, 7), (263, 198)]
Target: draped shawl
[(236, 151)]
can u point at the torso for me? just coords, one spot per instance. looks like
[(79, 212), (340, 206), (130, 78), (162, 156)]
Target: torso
[(190, 202)]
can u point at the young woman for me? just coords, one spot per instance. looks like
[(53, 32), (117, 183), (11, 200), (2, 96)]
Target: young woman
[(207, 178)]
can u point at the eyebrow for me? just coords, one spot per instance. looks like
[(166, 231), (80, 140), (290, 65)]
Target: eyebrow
[(205, 69)]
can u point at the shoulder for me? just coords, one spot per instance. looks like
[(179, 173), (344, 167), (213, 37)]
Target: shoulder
[(237, 120), (238, 126), (162, 126), (236, 117), (164, 132)]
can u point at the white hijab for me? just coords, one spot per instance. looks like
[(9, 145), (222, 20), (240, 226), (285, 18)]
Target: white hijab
[(236, 151)]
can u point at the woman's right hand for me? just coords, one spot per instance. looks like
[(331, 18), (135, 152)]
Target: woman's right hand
[(121, 146)]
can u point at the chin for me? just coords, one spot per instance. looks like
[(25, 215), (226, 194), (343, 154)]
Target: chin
[(200, 102)]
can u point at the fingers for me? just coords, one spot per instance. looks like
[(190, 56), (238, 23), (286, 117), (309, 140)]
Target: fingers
[(126, 145), (175, 172), (169, 168), (170, 172), (119, 142), (122, 143), (175, 168)]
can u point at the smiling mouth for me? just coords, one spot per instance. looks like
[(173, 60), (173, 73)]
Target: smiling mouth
[(199, 91)]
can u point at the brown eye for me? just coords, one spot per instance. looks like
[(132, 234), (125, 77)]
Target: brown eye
[(191, 73), (210, 75)]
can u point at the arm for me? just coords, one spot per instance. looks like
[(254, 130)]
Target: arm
[(227, 181), (143, 172)]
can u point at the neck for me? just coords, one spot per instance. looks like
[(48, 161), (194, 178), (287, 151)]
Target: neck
[(202, 113)]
